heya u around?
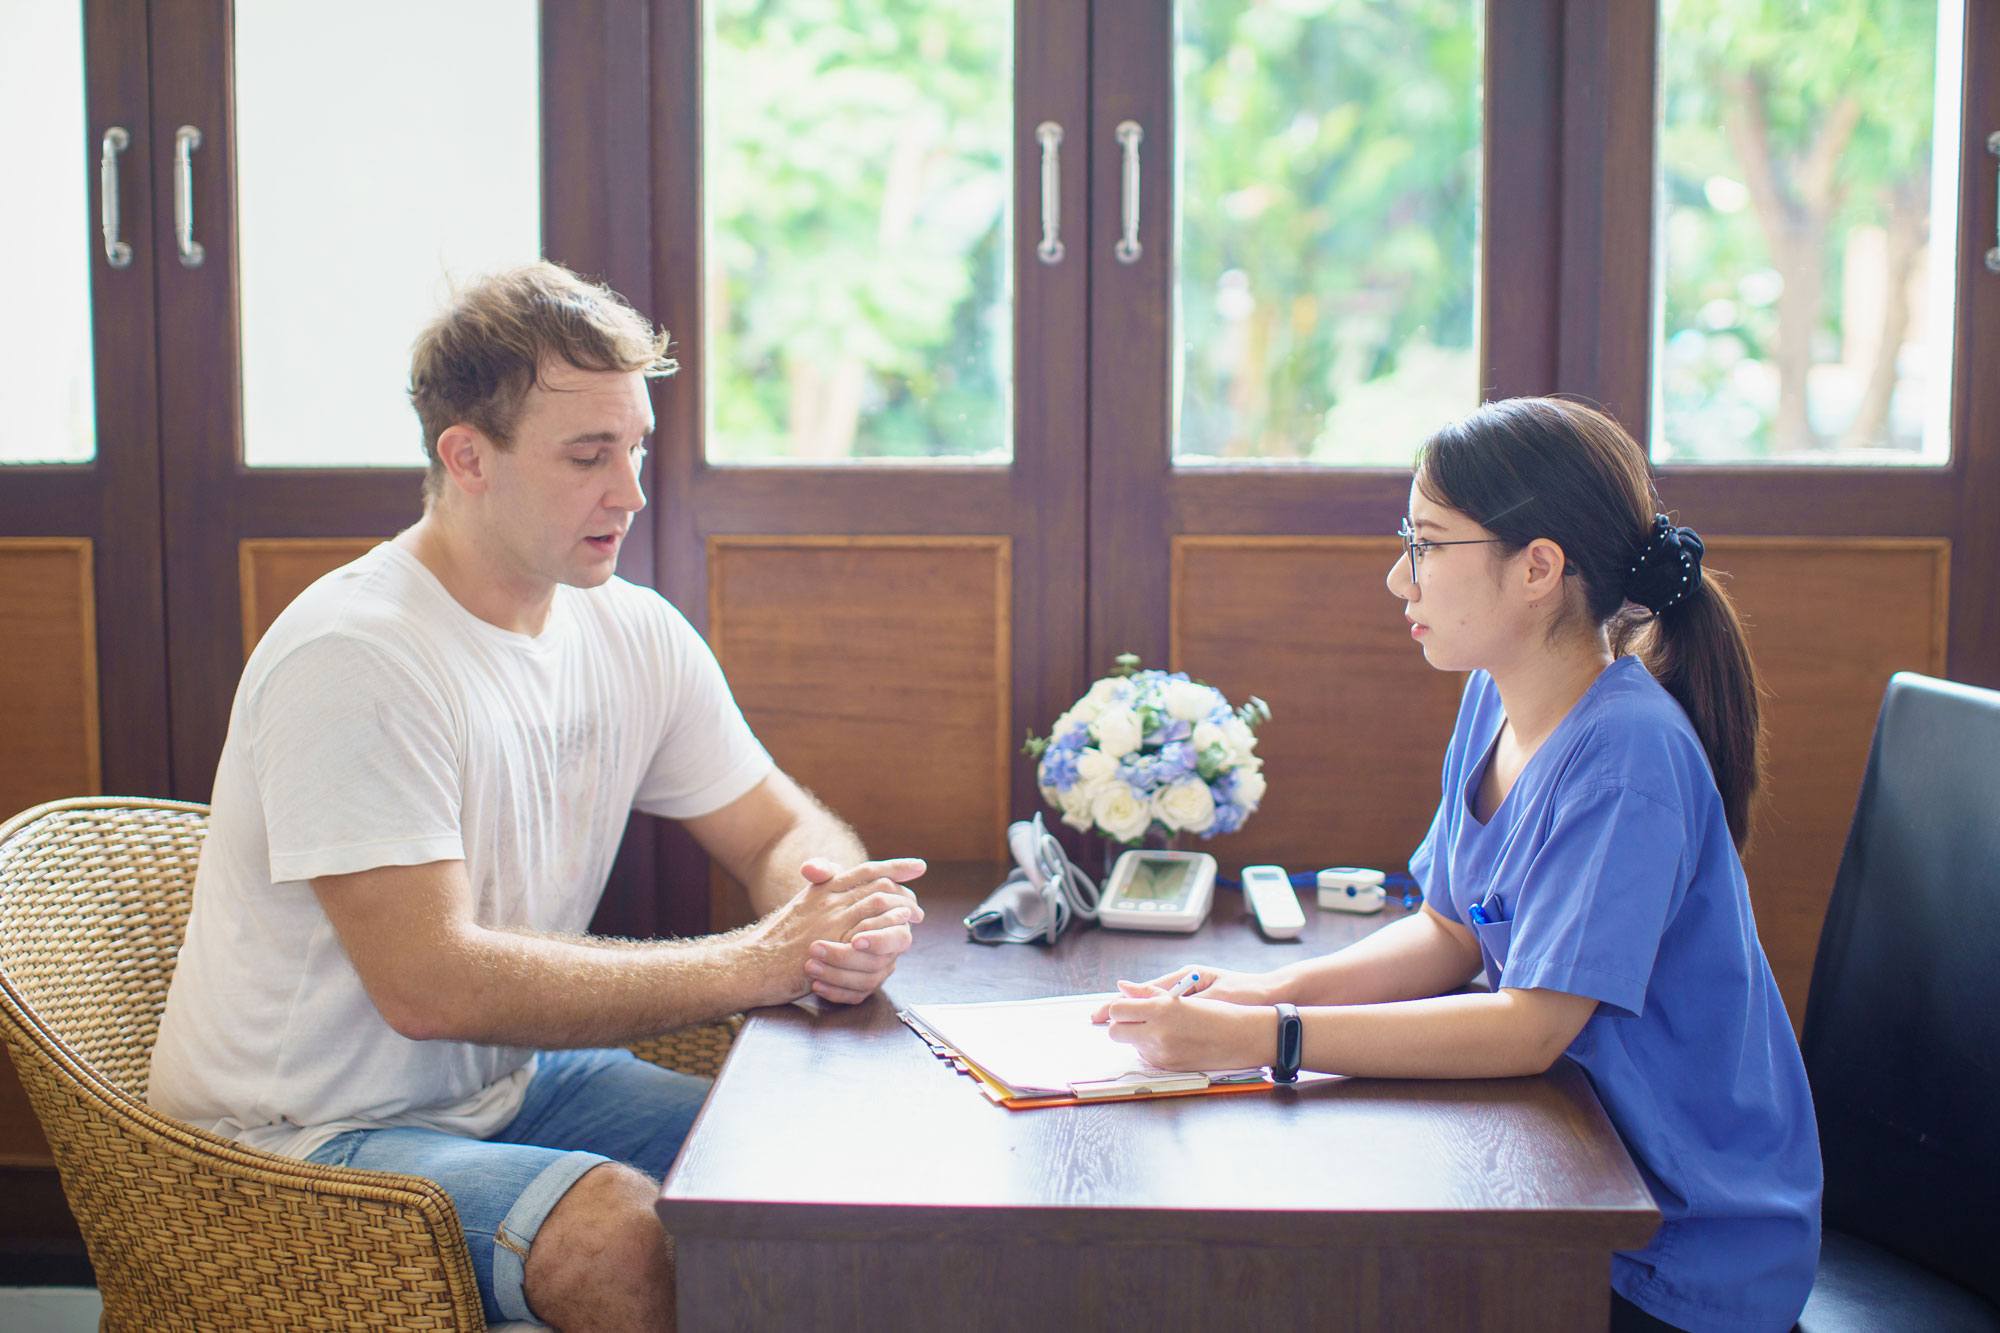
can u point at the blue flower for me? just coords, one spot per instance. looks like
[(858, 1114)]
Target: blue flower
[(1073, 740), (1140, 773), (1178, 759), (1058, 769), (1228, 818)]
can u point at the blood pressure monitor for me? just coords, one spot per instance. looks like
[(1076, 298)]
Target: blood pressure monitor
[(1158, 890)]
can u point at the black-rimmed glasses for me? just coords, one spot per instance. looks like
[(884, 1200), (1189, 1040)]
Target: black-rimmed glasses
[(1414, 546)]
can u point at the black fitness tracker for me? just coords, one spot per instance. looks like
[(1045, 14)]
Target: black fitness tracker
[(1291, 1045)]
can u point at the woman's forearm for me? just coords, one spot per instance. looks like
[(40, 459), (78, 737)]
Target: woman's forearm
[(1411, 959), (1498, 1035)]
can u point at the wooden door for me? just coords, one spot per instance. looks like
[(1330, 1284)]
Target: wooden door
[(892, 626), (1247, 546)]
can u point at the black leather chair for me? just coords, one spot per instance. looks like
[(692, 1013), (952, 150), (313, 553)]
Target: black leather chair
[(1902, 1033)]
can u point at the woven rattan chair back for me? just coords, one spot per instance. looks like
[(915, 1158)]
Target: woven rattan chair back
[(93, 903)]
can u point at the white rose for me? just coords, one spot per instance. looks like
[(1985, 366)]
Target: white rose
[(1236, 734), (1205, 735), (1118, 732), (1101, 695), (1076, 804), (1120, 813), (1185, 805), (1249, 788), (1084, 711), (1094, 765), (1187, 701)]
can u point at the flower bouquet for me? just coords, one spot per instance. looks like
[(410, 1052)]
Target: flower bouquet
[(1147, 755)]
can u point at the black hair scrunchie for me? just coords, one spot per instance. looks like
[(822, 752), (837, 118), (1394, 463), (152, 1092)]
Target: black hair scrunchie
[(1667, 567)]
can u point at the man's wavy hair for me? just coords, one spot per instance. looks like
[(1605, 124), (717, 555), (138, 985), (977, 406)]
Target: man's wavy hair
[(477, 360)]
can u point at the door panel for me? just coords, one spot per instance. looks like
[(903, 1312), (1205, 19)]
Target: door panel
[(1266, 579), (1026, 514), (95, 518)]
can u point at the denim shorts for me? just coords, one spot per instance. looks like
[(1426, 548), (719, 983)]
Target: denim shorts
[(583, 1108)]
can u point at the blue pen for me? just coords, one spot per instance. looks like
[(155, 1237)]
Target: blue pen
[(1478, 915), (1180, 988)]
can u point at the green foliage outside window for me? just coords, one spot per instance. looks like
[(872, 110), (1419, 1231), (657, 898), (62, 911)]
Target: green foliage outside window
[(1329, 225), (856, 169), (1795, 155)]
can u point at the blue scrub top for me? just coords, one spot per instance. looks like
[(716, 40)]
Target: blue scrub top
[(1608, 871)]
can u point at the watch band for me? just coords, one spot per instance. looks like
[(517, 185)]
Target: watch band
[(1291, 1045)]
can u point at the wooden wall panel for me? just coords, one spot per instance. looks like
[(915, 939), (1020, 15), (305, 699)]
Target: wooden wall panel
[(274, 570), (877, 670), (1359, 721), (1829, 620), (48, 673)]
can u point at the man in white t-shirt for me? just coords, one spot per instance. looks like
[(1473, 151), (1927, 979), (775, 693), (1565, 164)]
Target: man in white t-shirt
[(431, 759)]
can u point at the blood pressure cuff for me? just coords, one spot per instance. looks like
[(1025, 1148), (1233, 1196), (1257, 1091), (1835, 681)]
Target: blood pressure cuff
[(1019, 913)]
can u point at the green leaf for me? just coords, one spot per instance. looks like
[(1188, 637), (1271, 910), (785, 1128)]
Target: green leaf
[(1210, 761)]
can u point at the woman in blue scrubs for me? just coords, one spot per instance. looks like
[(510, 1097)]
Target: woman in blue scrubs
[(1585, 853)]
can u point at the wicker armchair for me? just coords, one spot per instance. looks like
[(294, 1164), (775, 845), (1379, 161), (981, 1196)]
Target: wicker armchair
[(188, 1230)]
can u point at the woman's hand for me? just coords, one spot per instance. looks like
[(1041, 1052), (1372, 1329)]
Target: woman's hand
[(1212, 984), (1175, 1032)]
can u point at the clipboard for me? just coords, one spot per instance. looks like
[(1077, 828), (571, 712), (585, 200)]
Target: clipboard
[(1028, 1054)]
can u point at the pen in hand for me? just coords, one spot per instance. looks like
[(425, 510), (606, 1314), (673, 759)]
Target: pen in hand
[(1183, 986)]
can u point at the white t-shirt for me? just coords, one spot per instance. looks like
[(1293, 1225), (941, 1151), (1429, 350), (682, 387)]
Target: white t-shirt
[(380, 723)]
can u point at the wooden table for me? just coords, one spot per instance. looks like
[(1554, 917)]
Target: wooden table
[(841, 1176)]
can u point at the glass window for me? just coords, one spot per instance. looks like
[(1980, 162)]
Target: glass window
[(1328, 228), (859, 291), (383, 150), (1807, 204), (48, 226)]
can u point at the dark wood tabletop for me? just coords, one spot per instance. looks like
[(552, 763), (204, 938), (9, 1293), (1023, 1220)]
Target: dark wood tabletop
[(833, 1125)]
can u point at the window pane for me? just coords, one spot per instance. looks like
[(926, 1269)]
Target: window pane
[(1808, 202), (859, 291), (50, 225), (1328, 227), (356, 213)]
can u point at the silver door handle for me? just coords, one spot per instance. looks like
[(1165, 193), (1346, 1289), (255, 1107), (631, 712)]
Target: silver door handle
[(1993, 255), (116, 252), (1050, 251), (186, 139), (1127, 249)]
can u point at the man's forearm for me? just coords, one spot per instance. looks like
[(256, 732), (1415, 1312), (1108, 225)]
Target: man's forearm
[(506, 988)]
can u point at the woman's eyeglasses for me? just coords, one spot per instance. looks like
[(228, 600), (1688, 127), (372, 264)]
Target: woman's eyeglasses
[(1415, 547)]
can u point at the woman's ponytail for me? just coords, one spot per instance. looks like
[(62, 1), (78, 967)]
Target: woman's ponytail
[(1697, 650)]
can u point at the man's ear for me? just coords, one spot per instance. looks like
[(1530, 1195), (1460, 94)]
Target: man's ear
[(465, 454), (1544, 563)]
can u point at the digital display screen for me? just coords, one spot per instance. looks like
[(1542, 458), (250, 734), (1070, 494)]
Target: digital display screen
[(1158, 881)]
